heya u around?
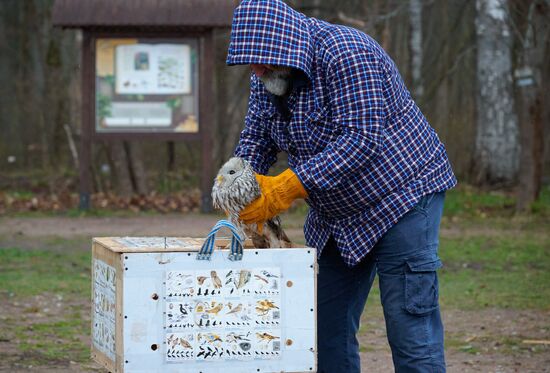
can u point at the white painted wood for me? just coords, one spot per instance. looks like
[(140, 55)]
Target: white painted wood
[(145, 319)]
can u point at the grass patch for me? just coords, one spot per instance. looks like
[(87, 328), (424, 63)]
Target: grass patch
[(542, 205), (489, 343), (55, 341), (65, 275), (30, 272), (468, 201), (496, 272), (481, 272)]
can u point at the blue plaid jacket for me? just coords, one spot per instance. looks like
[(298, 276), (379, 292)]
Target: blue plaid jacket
[(355, 137)]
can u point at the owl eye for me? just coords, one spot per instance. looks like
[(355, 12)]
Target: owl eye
[(231, 172)]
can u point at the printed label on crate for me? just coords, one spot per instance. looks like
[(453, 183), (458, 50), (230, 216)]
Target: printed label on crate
[(268, 344), (180, 346), (239, 312), (103, 336), (145, 242), (267, 281), (210, 346), (104, 285), (209, 283), (180, 315), (233, 313), (239, 282), (209, 313), (180, 284), (239, 345), (267, 312)]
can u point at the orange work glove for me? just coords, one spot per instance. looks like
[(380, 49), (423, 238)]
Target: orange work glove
[(278, 192)]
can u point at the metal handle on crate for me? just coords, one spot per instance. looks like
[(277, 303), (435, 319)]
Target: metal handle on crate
[(237, 241)]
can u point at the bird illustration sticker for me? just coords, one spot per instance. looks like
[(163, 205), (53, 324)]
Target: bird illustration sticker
[(210, 313), (209, 283), (103, 336), (239, 313), (267, 281), (180, 347), (104, 300), (238, 282), (267, 312), (210, 346), (180, 315), (267, 344), (239, 345), (180, 284), (104, 303), (223, 314)]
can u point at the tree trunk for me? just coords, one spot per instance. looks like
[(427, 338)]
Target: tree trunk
[(497, 147), (171, 152), (122, 173), (415, 23), (137, 169), (532, 146), (531, 74)]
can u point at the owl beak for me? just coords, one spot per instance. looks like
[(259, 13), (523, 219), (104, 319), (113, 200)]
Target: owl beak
[(219, 179)]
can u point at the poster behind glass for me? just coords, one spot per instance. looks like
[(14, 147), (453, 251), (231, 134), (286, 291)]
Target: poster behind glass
[(144, 85)]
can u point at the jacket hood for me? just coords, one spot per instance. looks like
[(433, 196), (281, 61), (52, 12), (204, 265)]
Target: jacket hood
[(270, 32)]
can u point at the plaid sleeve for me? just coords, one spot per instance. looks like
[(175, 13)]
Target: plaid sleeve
[(355, 83), (255, 145)]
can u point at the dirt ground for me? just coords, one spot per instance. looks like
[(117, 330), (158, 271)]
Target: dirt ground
[(487, 329), (488, 340), (191, 225)]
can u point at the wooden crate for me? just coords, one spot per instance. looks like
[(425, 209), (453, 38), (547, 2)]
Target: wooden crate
[(155, 308)]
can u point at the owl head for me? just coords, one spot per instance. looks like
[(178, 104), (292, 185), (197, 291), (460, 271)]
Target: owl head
[(232, 170), (234, 187)]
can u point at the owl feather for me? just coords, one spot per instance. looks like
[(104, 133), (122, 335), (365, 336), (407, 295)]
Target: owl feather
[(234, 188)]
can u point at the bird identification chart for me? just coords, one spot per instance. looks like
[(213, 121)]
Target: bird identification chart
[(180, 314), (223, 314), (104, 280)]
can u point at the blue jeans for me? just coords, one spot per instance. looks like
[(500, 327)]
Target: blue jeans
[(406, 261)]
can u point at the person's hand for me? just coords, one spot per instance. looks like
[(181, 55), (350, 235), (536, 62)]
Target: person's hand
[(277, 194)]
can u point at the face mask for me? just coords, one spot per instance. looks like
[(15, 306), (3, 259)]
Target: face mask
[(277, 81)]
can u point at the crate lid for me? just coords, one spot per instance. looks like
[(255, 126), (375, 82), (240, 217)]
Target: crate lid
[(165, 244)]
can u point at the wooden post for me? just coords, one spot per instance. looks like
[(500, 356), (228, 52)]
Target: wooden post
[(85, 187), (206, 117)]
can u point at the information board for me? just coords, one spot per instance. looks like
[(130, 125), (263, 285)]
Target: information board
[(143, 85), (153, 69)]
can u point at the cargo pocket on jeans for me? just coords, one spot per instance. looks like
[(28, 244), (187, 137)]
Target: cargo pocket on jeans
[(421, 285)]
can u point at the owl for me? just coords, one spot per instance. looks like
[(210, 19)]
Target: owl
[(235, 187)]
